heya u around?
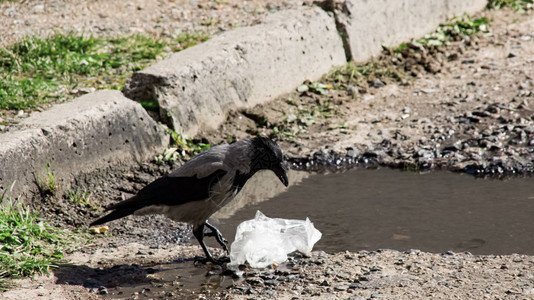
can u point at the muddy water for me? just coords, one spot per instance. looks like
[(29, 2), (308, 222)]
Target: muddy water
[(435, 212), (368, 210)]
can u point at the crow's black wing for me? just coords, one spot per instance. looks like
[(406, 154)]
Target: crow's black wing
[(166, 190)]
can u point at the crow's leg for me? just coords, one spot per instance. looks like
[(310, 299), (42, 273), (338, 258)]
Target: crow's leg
[(218, 235), (198, 232)]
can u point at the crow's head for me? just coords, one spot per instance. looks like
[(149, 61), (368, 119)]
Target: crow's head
[(266, 155)]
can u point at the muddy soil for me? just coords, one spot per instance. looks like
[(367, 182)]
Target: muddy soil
[(473, 113)]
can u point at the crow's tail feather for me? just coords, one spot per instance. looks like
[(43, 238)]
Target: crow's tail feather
[(114, 215)]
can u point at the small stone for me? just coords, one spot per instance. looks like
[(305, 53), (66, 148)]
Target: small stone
[(377, 83), (414, 251), (325, 283), (303, 88), (272, 282), (141, 252), (524, 85), (355, 285), (39, 8), (341, 288), (469, 60), (102, 290), (453, 56), (428, 91), (353, 90)]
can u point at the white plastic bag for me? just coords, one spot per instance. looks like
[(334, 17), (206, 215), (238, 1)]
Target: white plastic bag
[(263, 241)]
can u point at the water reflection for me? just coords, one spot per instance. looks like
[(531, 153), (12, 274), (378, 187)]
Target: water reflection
[(262, 186), (436, 212)]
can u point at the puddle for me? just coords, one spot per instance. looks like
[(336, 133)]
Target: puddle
[(434, 212), (369, 210), (182, 280)]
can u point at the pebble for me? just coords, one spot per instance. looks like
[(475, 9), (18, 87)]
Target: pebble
[(377, 83), (429, 91), (102, 290), (353, 91), (272, 282), (468, 61)]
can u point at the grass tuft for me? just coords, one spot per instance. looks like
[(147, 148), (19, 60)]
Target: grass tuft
[(517, 5), (81, 197), (29, 246), (455, 30), (47, 187), (181, 147), (398, 64)]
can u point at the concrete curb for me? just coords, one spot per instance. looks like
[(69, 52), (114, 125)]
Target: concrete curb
[(90, 132), (197, 87), (366, 25)]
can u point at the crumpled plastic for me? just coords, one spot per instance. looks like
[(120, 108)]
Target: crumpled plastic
[(263, 241)]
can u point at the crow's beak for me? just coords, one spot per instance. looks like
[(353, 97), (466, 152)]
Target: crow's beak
[(281, 172)]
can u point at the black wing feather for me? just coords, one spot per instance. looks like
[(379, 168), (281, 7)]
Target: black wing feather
[(166, 190)]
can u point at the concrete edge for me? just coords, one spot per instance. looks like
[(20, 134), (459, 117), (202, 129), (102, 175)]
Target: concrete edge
[(93, 131), (367, 25), (197, 87)]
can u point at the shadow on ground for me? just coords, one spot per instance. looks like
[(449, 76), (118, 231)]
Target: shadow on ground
[(182, 279), (120, 275)]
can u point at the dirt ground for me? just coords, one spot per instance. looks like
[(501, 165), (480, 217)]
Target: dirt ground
[(108, 18), (473, 113)]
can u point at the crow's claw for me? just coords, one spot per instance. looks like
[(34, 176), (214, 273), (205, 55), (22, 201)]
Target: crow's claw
[(218, 235)]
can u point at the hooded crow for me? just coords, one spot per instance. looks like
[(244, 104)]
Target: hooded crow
[(203, 185)]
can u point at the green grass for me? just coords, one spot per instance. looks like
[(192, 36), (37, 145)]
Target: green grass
[(81, 198), (39, 71), (362, 75), (28, 246), (456, 29), (517, 5), (180, 147), (47, 187)]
